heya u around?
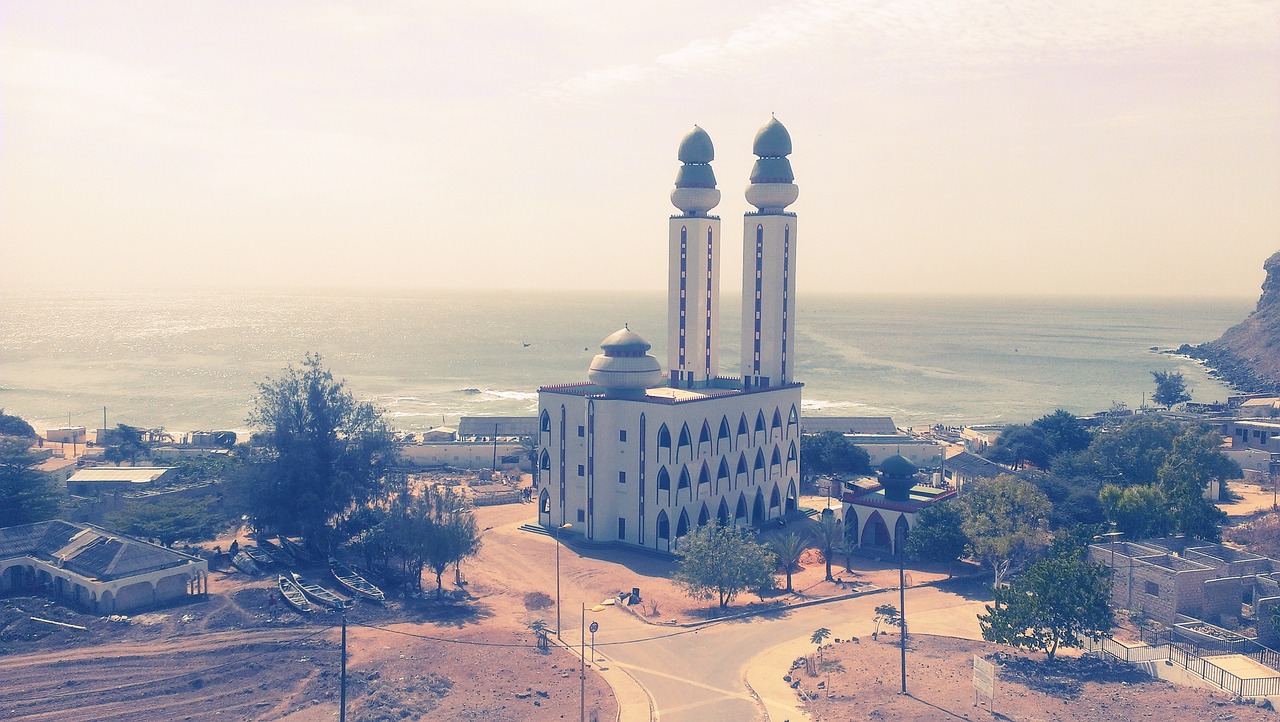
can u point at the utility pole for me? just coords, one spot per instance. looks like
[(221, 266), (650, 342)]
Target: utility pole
[(902, 605), (495, 449), (582, 666), (342, 695)]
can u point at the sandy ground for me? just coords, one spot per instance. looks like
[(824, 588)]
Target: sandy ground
[(1253, 499)]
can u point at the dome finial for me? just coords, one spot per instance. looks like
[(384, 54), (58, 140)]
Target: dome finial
[(695, 192)]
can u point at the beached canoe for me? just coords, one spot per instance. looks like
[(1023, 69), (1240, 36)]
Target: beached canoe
[(318, 593), (354, 583), (245, 564), (293, 595), (258, 556), (296, 550), (278, 555)]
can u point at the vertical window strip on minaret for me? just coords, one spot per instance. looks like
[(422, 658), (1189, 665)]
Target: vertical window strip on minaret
[(786, 297), (643, 452), (684, 256), (706, 362), (563, 427), (591, 469), (755, 369)]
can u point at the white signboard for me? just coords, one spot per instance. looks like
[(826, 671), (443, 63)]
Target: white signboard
[(984, 678)]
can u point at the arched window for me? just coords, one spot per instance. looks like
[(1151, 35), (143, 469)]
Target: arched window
[(544, 422), (722, 474), (722, 513), (704, 437), (682, 528), (900, 530), (704, 476), (740, 513), (792, 502), (685, 442), (724, 439), (793, 419), (757, 471), (664, 526), (704, 516), (875, 535), (758, 514), (792, 457), (664, 442), (777, 423), (664, 480), (775, 462), (761, 430), (544, 463), (742, 466), (743, 429), (775, 499), (544, 502), (851, 526), (684, 479)]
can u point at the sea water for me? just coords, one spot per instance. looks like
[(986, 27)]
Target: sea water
[(188, 361)]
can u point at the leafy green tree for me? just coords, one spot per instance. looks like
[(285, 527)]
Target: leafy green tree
[(1005, 521), (886, 614), (1139, 511), (1064, 432), (320, 453), (11, 425), (168, 519), (1021, 444), (717, 562), (831, 452), (1171, 389), (789, 548), (452, 534), (1053, 604), (819, 636), (938, 534), (828, 536), (27, 495), (124, 443)]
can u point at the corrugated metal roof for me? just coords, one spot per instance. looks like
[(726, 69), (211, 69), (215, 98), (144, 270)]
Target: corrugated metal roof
[(848, 424), (483, 426), (87, 550), (131, 474)]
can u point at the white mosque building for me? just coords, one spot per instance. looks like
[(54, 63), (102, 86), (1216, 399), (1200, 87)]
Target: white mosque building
[(636, 457)]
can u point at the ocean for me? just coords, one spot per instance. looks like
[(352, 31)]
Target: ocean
[(190, 361)]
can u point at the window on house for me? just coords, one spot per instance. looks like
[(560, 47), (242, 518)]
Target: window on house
[(582, 515), (1151, 588), (622, 435), (622, 528), (582, 470), (622, 477), (582, 430)]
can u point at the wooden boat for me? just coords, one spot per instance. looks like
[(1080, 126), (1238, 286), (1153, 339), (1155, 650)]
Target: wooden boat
[(296, 550), (319, 593), (354, 583), (278, 555), (293, 595), (258, 556), (245, 564)]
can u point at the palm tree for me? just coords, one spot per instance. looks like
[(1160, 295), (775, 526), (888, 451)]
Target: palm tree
[(789, 549), (829, 536), (820, 635)]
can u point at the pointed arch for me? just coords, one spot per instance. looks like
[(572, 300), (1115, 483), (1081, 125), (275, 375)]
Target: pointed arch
[(724, 437), (743, 429), (740, 511), (683, 483), (722, 475), (544, 507), (777, 423), (900, 530), (544, 462), (851, 525), (664, 480), (792, 502), (704, 516), (758, 512), (775, 461), (757, 470), (682, 527), (722, 513), (761, 431), (793, 458), (685, 441), (704, 437), (875, 534), (544, 422), (663, 530), (664, 442), (793, 420), (742, 468), (704, 475), (775, 499)]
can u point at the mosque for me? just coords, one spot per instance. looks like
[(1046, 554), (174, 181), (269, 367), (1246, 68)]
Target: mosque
[(637, 457)]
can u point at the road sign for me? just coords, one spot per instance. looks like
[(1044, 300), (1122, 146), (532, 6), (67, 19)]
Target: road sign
[(984, 679), (595, 627)]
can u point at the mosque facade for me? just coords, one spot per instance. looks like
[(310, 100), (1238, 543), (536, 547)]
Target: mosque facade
[(639, 456)]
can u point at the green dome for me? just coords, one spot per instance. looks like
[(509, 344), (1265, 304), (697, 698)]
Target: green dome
[(897, 467), (772, 170), (773, 140), (696, 147), (695, 176), (624, 341)]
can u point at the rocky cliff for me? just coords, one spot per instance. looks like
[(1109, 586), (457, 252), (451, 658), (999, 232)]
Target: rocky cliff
[(1247, 356)]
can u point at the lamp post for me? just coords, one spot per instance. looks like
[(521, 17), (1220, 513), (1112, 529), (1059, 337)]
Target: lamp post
[(1112, 536), (902, 605), (562, 526), (582, 667)]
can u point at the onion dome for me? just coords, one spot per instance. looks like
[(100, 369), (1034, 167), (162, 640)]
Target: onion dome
[(695, 192), (897, 476), (625, 369), (772, 186)]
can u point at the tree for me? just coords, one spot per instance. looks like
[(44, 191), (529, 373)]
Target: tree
[(168, 519), (1139, 511), (716, 562), (1171, 389), (1021, 444), (886, 614), (320, 453), (11, 425), (1004, 519), (29, 495), (831, 452), (820, 635), (789, 548), (124, 443), (1064, 432), (828, 535), (938, 534), (451, 535), (1055, 603)]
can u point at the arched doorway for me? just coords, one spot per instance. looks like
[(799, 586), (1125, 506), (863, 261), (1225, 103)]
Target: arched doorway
[(851, 526), (900, 529), (876, 534), (663, 536), (757, 509), (544, 508)]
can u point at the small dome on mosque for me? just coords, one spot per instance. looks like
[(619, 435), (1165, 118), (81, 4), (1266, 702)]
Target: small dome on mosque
[(697, 148), (897, 467), (625, 340), (772, 170), (773, 140), (695, 176)]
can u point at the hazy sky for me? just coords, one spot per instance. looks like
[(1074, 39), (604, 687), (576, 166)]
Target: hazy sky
[(988, 147)]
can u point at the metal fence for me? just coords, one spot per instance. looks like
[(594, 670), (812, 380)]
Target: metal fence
[(1189, 658)]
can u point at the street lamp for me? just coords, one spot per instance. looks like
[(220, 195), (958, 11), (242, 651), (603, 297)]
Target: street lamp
[(1112, 536), (562, 526)]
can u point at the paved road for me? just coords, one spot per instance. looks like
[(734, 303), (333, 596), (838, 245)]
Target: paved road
[(698, 675)]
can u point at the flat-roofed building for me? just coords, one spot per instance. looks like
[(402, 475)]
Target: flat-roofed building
[(115, 479), (882, 425)]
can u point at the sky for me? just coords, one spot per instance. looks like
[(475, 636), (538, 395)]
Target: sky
[(1044, 148)]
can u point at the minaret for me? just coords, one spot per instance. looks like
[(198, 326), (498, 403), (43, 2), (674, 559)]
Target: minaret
[(693, 287), (768, 263)]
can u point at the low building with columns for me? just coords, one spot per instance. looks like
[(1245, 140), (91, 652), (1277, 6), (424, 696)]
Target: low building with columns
[(878, 517), (93, 569)]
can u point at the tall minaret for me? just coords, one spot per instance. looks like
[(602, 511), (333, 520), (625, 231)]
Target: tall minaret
[(693, 287), (769, 263)]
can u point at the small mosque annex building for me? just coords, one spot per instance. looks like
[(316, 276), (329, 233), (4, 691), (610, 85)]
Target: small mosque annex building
[(638, 457)]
